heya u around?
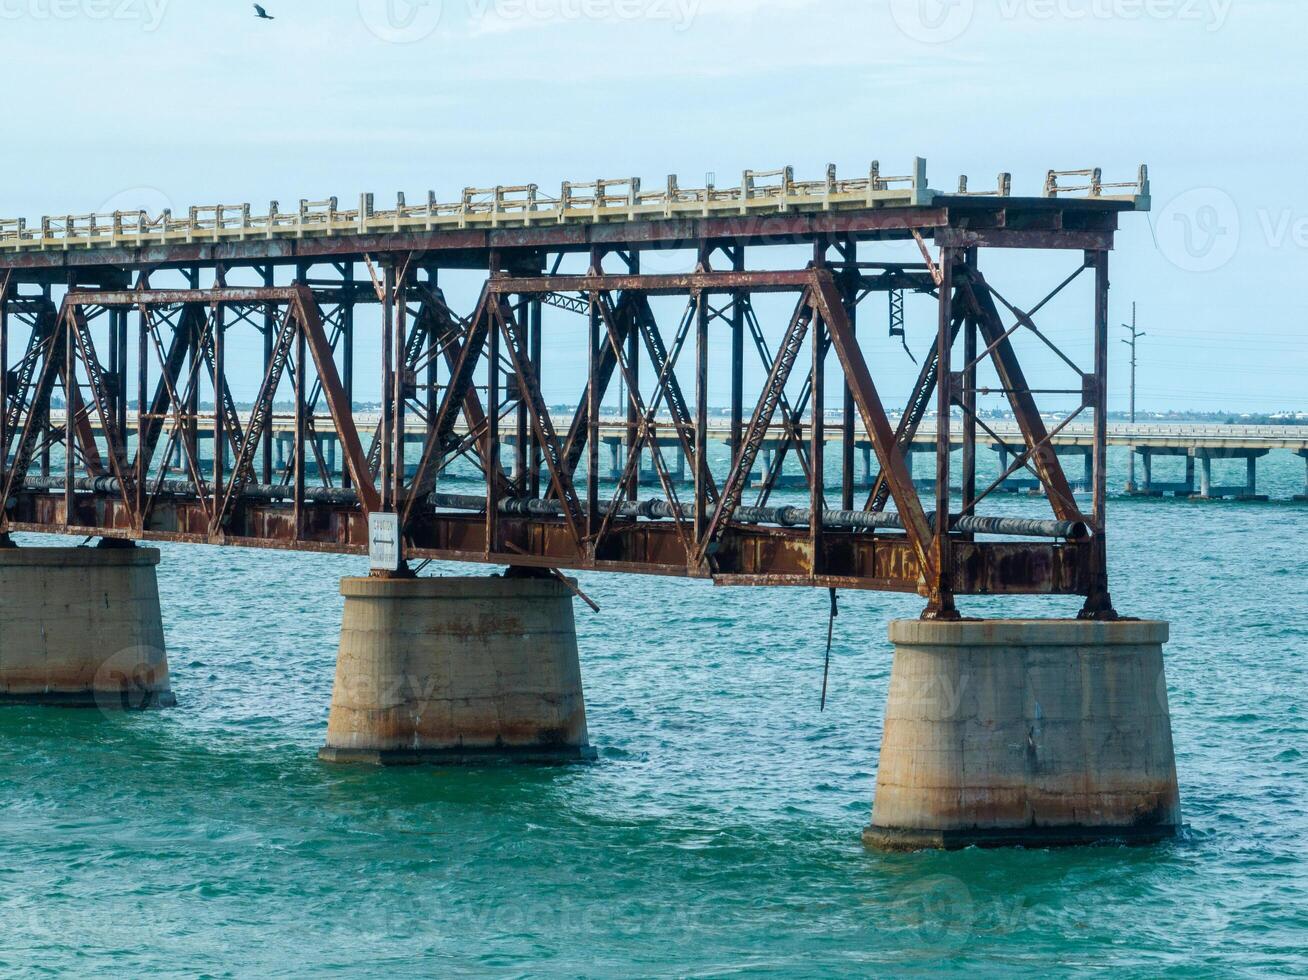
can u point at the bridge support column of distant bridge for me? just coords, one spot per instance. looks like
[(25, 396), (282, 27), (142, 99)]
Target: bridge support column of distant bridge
[(284, 444), (1148, 487), (674, 457), (1017, 484), (772, 457), (1249, 491), (864, 478), (1040, 733), (454, 670), (81, 627), (1304, 497)]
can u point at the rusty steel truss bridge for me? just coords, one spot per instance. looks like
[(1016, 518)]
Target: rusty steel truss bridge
[(132, 322)]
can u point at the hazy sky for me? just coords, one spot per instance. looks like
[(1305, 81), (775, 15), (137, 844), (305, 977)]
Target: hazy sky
[(172, 102)]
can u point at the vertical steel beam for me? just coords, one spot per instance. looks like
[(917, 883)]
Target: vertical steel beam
[(195, 359), (399, 378), (388, 503), (115, 382), (347, 347), (633, 381), (738, 301), (968, 381), (435, 337), (848, 432), (142, 406), (49, 425), (490, 455), (269, 335), (70, 400), (521, 427), (593, 396), (817, 446), (1099, 392), (301, 422), (5, 286), (702, 475), (219, 381), (121, 370), (940, 599), (1099, 604), (535, 460)]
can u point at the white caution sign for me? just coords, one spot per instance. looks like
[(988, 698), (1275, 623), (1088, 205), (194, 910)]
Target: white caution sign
[(384, 542)]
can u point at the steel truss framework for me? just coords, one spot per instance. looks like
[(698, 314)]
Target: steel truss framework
[(132, 469)]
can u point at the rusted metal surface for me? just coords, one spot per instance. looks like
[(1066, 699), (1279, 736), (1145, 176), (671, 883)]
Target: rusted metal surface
[(470, 386)]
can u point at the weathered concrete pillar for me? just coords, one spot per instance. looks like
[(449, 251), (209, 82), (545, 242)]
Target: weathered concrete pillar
[(615, 459), (1206, 477), (456, 670), (81, 627), (1304, 497), (1025, 733)]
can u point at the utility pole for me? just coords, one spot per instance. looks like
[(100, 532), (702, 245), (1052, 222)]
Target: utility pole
[(1135, 336)]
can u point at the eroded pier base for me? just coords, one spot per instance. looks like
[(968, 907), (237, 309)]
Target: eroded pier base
[(454, 670), (1032, 733), (81, 627)]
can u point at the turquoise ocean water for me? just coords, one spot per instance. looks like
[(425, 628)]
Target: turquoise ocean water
[(717, 835)]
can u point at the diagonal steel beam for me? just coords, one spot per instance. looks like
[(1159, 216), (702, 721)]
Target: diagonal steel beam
[(981, 303), (682, 422), (574, 444), (150, 427), (918, 402), (644, 435), (441, 326), (441, 440), (773, 391), (42, 327), (115, 440), (182, 410), (539, 416), (38, 414), (260, 419), (830, 306), (310, 319)]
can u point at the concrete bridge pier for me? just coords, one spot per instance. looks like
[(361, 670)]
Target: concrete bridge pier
[(283, 445), (1035, 733), (674, 458), (863, 478), (678, 464), (616, 458), (81, 627), (457, 670), (1304, 497), (1029, 484), (327, 444), (1149, 487), (1249, 491)]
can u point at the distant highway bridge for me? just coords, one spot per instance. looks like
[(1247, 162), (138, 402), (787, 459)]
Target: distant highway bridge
[(1198, 443)]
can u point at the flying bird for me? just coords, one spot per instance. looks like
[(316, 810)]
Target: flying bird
[(262, 14)]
